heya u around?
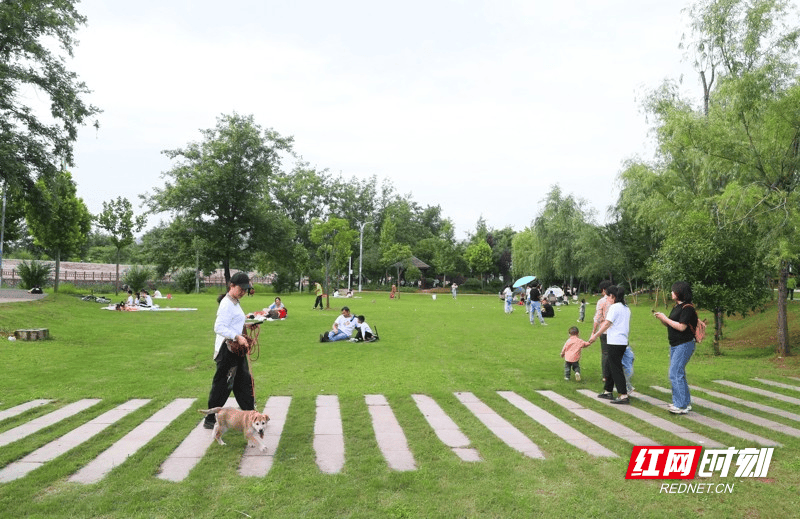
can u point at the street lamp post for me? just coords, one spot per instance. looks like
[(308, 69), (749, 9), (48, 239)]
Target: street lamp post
[(361, 252)]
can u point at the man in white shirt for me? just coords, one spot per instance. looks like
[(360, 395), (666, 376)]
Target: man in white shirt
[(343, 327)]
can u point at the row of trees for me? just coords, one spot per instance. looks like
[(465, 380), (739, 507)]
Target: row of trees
[(717, 206)]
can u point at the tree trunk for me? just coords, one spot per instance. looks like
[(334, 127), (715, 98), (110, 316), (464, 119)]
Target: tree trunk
[(783, 325), (226, 267), (58, 269), (116, 287), (718, 321)]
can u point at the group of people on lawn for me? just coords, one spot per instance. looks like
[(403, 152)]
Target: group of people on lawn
[(611, 325), (345, 325)]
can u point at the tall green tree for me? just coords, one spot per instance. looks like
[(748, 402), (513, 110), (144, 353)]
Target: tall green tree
[(479, 258), (334, 240), (220, 190), (35, 39), (58, 219), (118, 220), (736, 157), (557, 229)]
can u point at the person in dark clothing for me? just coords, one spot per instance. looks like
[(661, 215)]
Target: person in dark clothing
[(680, 324)]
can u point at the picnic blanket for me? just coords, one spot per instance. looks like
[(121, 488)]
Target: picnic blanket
[(150, 309)]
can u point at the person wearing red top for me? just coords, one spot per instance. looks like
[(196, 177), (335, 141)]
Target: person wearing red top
[(571, 353)]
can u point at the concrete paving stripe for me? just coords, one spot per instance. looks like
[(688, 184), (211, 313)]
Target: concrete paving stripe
[(501, 428), (606, 424), (777, 384), (390, 436), (714, 424), (188, 454), (794, 378), (16, 410), (127, 446), (47, 420), (747, 403), (69, 441), (762, 392), (739, 415), (445, 428), (566, 432), (655, 421), (254, 462), (329, 435)]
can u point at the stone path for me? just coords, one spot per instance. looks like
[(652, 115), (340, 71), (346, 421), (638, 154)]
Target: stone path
[(329, 440)]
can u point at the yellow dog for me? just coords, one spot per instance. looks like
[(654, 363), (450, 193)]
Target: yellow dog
[(251, 423)]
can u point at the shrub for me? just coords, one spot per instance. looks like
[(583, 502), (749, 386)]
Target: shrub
[(284, 281), (34, 274), (137, 277), (68, 288), (472, 284), (185, 281)]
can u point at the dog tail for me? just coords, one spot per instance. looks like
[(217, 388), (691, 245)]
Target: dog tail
[(210, 411)]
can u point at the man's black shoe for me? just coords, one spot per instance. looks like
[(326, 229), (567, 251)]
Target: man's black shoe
[(208, 425)]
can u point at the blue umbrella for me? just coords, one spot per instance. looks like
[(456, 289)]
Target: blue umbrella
[(523, 281)]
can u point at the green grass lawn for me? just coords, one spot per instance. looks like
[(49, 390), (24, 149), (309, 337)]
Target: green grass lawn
[(433, 347)]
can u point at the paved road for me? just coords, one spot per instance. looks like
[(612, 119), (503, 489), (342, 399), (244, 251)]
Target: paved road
[(12, 295)]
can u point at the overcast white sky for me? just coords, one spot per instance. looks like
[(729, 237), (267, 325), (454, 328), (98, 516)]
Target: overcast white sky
[(477, 106)]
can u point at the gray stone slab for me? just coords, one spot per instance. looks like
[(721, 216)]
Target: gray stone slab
[(777, 384), (445, 428), (556, 426), (739, 415), (656, 421), (606, 424), (501, 428), (19, 409), (329, 450), (188, 454), (389, 435), (329, 435), (127, 446), (747, 403), (254, 462), (759, 391), (45, 421), (471, 455), (67, 442), (712, 423)]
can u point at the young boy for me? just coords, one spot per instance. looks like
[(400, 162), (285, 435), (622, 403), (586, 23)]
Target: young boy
[(363, 331), (583, 311), (571, 353), (627, 368)]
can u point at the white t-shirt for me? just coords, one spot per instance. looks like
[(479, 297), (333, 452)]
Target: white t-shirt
[(364, 327), (620, 317), (229, 323), (346, 324)]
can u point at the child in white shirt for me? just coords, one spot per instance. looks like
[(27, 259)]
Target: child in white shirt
[(363, 331)]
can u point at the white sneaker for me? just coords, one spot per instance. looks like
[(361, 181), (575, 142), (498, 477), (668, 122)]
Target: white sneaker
[(566, 378), (677, 410), (544, 324), (577, 376)]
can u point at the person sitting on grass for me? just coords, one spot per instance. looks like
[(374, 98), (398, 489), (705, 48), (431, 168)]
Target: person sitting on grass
[(343, 327), (547, 309), (276, 310), (363, 331)]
